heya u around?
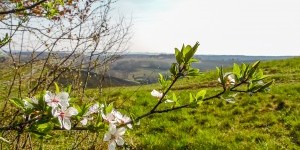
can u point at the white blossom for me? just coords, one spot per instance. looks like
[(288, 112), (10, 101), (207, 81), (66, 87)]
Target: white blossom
[(64, 116), (156, 94), (114, 136), (229, 79), (110, 117), (93, 109), (85, 120), (53, 100), (169, 101), (122, 119)]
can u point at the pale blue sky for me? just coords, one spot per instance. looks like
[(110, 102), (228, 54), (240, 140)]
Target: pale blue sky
[(240, 27)]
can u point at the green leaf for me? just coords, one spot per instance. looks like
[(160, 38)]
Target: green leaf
[(56, 88), (192, 99), (178, 56), (45, 127), (68, 89), (5, 40), (189, 52), (109, 108), (199, 102), (258, 76), (80, 110), (193, 104), (193, 60), (174, 97), (161, 77), (265, 86), (18, 102), (42, 102), (193, 72), (61, 2), (201, 95), (173, 69), (236, 70), (244, 70), (221, 76), (175, 100), (253, 69), (186, 50), (182, 49)]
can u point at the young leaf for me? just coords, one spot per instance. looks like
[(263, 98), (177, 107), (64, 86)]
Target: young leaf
[(221, 76), (253, 69), (56, 88), (17, 102), (192, 98), (265, 86), (174, 97), (244, 70), (190, 52), (185, 51), (193, 72), (200, 94), (45, 127), (173, 69), (175, 100), (68, 89), (193, 60), (236, 70), (161, 79), (178, 56), (109, 108)]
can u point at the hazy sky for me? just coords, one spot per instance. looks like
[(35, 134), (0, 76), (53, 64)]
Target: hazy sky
[(241, 27)]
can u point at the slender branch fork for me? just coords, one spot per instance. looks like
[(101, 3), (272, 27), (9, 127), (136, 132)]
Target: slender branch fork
[(154, 111)]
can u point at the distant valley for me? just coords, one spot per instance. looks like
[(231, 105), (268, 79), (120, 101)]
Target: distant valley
[(135, 69)]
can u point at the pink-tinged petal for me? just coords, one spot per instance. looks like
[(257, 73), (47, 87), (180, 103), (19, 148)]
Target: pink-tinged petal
[(52, 104), (63, 99), (67, 123), (55, 111), (84, 121), (64, 103), (107, 136), (112, 128), (112, 145), (110, 117), (60, 120), (94, 108), (48, 96), (117, 114), (119, 141), (120, 131), (63, 96), (71, 111)]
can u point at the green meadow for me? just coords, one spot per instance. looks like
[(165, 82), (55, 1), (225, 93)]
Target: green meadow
[(260, 121)]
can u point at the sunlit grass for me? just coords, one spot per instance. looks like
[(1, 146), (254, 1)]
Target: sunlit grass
[(260, 121)]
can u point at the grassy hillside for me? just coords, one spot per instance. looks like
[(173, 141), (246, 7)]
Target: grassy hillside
[(260, 121)]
